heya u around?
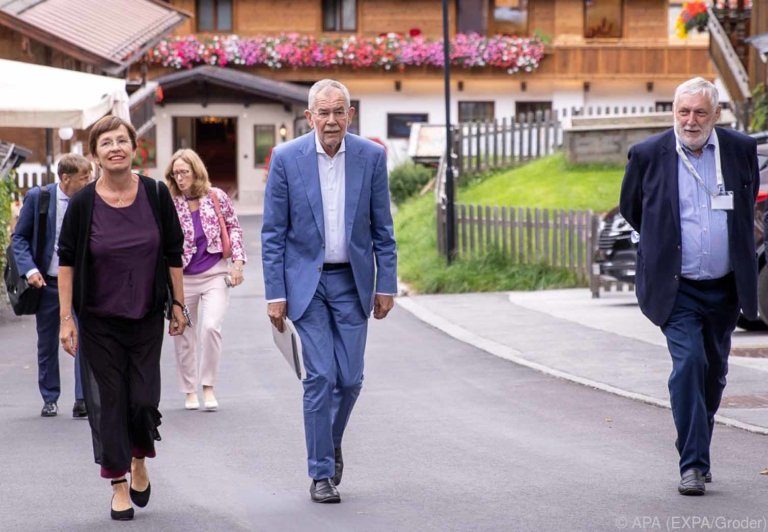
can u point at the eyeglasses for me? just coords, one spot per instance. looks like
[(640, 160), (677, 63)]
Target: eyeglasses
[(181, 173), (120, 143), (338, 114)]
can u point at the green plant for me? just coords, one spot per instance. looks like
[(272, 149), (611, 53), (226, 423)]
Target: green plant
[(7, 189), (407, 180), (545, 38), (760, 109)]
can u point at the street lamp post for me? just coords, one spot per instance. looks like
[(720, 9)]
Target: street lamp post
[(450, 229)]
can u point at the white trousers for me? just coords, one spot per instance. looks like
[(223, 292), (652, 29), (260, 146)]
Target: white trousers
[(207, 296)]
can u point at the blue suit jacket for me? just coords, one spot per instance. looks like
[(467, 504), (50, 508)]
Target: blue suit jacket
[(293, 232), (650, 203), (24, 239)]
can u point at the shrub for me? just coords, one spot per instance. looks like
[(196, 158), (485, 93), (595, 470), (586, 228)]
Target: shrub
[(7, 188), (407, 180)]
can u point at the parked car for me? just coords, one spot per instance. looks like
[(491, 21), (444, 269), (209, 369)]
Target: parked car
[(616, 254)]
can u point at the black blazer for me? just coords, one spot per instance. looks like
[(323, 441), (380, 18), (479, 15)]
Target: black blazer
[(76, 232), (650, 203)]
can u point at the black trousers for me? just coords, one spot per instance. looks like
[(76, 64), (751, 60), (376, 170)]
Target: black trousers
[(122, 390)]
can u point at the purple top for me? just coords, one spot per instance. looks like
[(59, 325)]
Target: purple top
[(201, 261), (124, 247)]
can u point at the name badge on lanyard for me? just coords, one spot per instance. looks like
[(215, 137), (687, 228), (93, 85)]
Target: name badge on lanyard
[(720, 199)]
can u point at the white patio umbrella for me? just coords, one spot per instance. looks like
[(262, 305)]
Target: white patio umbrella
[(47, 97)]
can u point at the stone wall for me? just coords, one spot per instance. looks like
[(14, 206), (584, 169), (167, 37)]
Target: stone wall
[(607, 139)]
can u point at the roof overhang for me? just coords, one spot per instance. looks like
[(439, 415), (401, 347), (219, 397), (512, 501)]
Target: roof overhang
[(209, 84), (112, 59)]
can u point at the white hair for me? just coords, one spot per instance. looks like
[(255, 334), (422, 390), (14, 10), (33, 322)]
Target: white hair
[(323, 84), (698, 86)]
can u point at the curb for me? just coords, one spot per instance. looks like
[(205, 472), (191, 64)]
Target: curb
[(515, 356)]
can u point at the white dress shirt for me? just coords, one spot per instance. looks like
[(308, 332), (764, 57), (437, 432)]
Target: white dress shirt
[(332, 183), (62, 202)]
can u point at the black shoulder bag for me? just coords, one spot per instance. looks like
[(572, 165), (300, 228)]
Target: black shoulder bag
[(25, 298)]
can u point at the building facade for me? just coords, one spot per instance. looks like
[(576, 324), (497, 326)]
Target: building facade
[(611, 53)]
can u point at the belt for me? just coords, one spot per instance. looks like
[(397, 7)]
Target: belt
[(333, 266), (704, 284)]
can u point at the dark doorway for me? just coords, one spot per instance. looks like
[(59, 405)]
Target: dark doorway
[(214, 138)]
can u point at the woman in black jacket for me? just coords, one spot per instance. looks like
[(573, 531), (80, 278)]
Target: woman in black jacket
[(118, 236)]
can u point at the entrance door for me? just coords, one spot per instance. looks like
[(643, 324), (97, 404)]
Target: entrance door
[(214, 138)]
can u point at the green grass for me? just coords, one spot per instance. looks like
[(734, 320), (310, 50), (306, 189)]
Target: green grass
[(547, 183)]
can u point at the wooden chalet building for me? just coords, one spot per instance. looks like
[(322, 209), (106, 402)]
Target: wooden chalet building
[(596, 53)]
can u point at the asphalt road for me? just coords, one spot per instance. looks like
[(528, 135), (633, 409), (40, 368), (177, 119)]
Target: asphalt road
[(444, 437)]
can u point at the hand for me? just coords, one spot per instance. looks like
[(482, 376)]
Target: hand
[(36, 280), (178, 322), (236, 273), (382, 304), (277, 312), (68, 336)]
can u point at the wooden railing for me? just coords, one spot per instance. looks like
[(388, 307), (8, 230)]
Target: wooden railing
[(483, 146), (730, 67), (627, 60), (554, 237)]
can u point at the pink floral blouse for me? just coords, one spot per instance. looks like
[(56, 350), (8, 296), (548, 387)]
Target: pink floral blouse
[(210, 225)]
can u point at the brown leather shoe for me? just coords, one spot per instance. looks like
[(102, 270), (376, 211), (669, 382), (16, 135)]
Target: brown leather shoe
[(323, 491), (691, 482)]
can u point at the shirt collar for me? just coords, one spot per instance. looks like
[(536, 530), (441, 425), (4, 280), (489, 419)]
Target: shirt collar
[(320, 150), (60, 193)]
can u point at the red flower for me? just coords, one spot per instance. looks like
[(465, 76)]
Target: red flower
[(414, 32)]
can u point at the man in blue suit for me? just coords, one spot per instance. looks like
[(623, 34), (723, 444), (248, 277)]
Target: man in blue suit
[(690, 192), (329, 257), (74, 172)]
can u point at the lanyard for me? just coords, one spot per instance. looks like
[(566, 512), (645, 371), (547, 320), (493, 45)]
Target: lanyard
[(689, 166)]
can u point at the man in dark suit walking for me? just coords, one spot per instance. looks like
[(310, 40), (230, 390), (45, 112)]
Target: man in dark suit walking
[(690, 193), (74, 173)]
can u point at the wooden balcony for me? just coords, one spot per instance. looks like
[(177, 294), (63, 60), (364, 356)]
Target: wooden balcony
[(572, 61), (626, 61)]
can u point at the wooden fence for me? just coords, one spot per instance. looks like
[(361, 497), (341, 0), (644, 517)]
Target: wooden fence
[(482, 146), (555, 237)]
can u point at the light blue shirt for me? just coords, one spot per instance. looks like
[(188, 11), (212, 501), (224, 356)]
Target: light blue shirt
[(62, 202), (704, 230)]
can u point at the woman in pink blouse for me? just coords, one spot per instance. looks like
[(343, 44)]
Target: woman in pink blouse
[(208, 273)]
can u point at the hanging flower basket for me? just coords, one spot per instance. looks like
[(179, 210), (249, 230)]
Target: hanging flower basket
[(390, 51), (693, 15)]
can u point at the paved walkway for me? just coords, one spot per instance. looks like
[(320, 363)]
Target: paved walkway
[(604, 343)]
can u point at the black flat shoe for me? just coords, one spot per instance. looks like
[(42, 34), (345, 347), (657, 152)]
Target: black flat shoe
[(338, 467), (120, 515), (323, 491), (49, 410), (140, 498), (79, 411), (691, 482)]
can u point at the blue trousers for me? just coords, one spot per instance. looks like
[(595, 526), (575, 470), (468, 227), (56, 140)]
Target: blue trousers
[(47, 318), (699, 339), (333, 333)]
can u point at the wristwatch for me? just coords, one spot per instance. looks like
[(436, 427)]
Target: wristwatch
[(185, 311)]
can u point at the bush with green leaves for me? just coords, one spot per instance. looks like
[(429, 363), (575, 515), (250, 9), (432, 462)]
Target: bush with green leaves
[(407, 180), (7, 188)]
